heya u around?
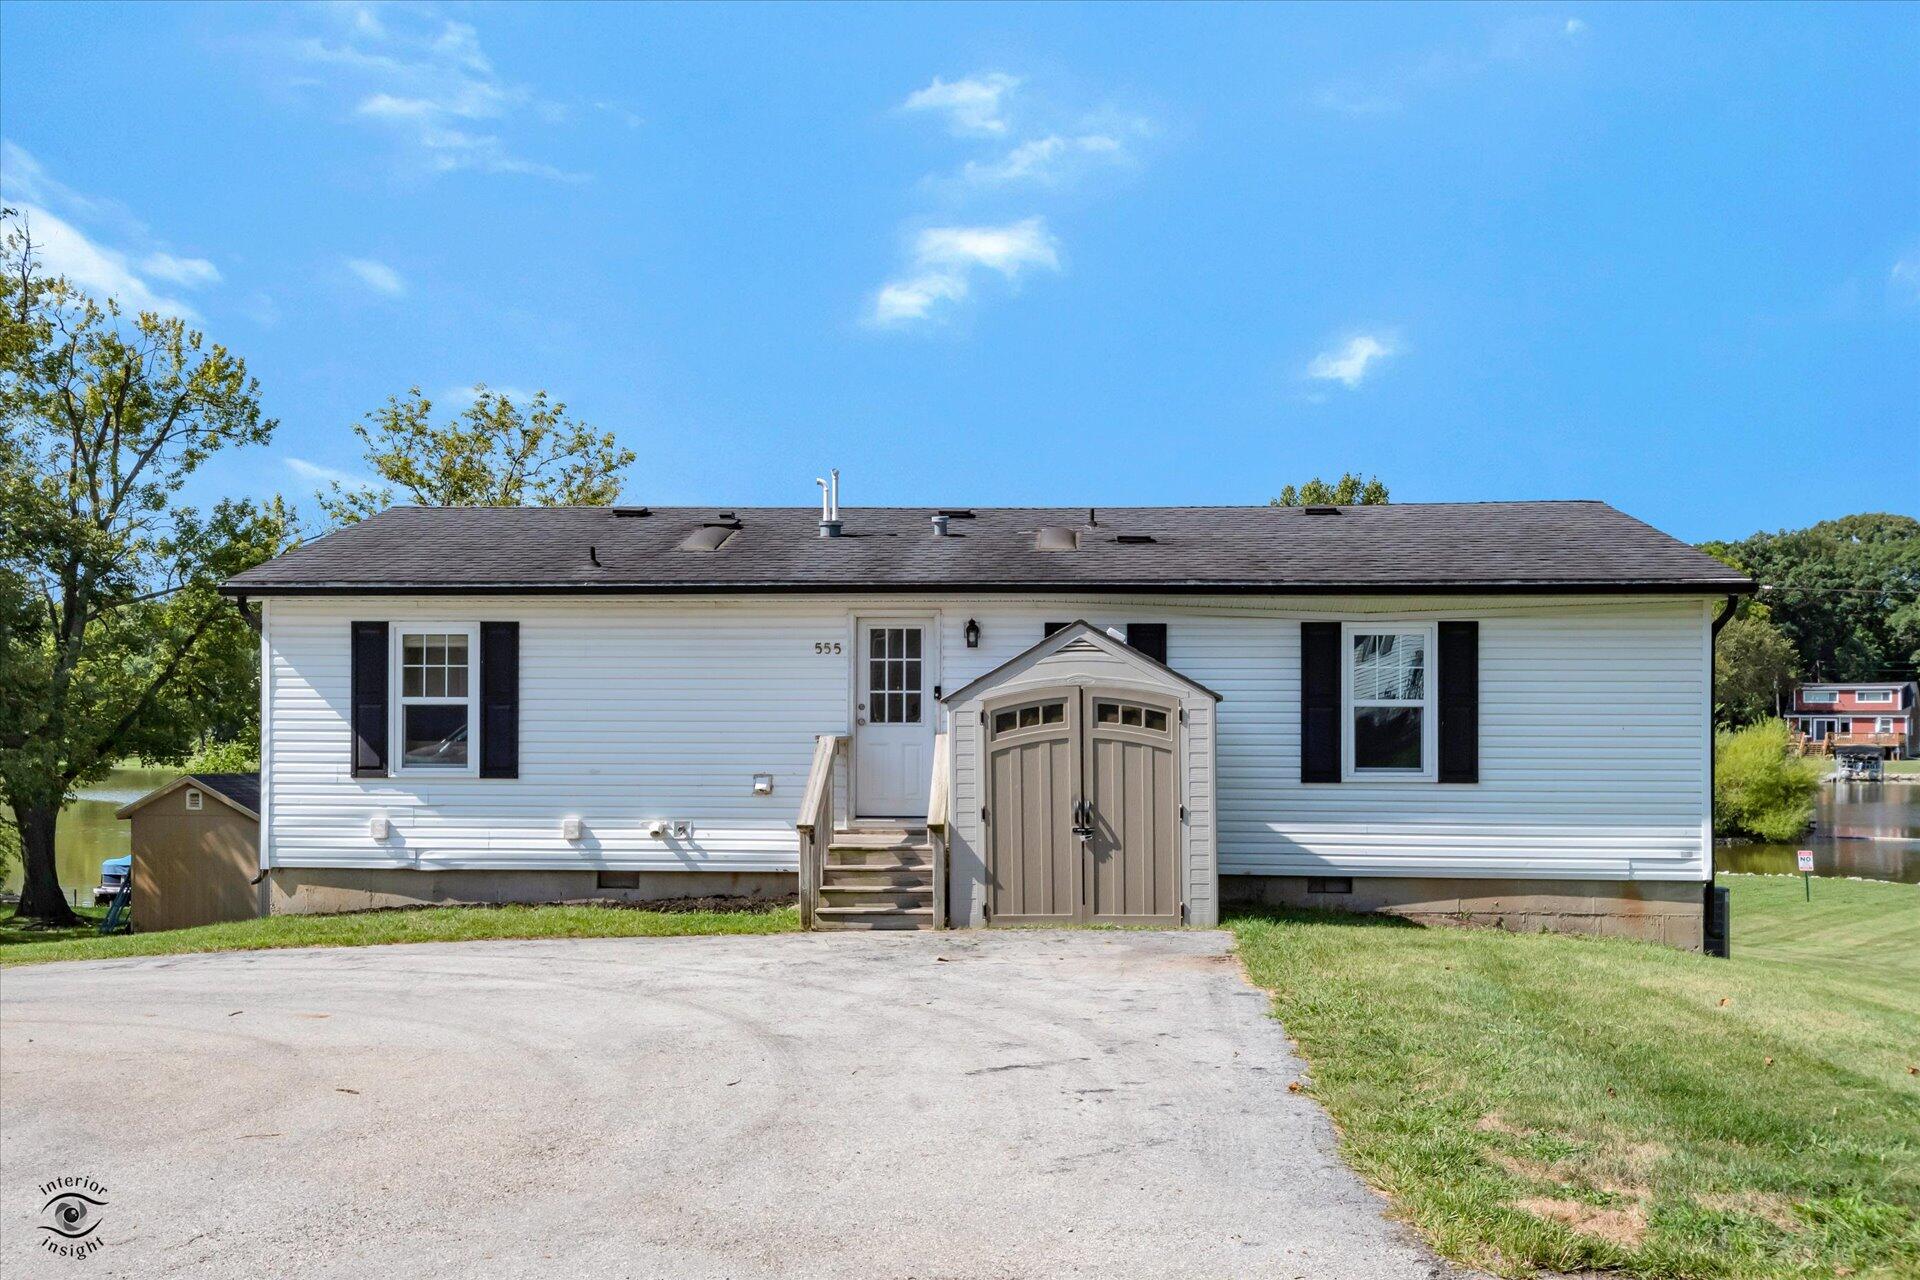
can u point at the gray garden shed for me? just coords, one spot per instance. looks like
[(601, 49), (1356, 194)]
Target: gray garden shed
[(1083, 789)]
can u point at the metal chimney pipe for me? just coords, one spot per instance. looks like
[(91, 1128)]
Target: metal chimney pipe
[(835, 473), (940, 525)]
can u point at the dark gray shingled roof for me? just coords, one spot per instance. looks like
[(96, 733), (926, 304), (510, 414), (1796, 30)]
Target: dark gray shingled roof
[(1496, 546), (241, 788)]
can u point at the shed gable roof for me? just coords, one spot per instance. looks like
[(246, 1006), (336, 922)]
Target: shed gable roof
[(1080, 634), (238, 791), (1493, 546)]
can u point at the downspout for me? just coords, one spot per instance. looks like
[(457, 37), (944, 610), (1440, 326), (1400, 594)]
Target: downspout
[(1713, 639)]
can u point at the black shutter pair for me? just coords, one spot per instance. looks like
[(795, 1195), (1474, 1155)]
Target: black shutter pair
[(1459, 676), (1149, 638), (499, 700)]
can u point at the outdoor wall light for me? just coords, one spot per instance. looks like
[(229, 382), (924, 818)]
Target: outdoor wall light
[(973, 634)]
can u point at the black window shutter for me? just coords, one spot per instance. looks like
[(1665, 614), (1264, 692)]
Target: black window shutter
[(1459, 702), (1319, 702), (1053, 627), (1149, 638), (369, 700), (499, 699)]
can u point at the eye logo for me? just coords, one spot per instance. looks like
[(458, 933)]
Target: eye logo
[(71, 1215)]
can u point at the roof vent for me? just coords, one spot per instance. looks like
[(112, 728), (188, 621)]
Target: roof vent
[(1056, 537), (940, 519), (1323, 511), (957, 513), (708, 537), (631, 513), (1133, 537)]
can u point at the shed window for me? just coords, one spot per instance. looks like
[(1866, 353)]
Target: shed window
[(436, 700), (1130, 715), (193, 798), (1389, 687)]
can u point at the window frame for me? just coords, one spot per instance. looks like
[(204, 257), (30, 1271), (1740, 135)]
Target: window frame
[(1873, 697), (399, 701), (1820, 697), (1429, 704)]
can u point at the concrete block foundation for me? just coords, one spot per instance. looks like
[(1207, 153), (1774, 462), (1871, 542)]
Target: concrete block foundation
[(326, 890), (1665, 911)]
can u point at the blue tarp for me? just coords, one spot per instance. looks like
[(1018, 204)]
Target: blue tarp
[(117, 864)]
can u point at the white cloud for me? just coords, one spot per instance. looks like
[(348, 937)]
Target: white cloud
[(427, 82), (1575, 28), (1046, 160), (1350, 364), (971, 106), (330, 475), (945, 259), (377, 276), (1905, 277), (188, 273), (56, 215), (103, 272)]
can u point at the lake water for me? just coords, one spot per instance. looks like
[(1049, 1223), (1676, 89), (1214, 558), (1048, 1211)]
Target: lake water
[(89, 834), (1865, 829)]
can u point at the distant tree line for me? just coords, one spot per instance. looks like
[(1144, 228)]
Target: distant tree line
[(1839, 600)]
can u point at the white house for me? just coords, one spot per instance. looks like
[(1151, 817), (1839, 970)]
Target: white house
[(1496, 712)]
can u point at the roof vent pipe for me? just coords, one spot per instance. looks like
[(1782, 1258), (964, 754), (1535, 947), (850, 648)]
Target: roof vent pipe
[(830, 526), (940, 524)]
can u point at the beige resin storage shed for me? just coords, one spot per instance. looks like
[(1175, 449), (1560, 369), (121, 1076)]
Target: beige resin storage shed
[(196, 851), (1082, 784)]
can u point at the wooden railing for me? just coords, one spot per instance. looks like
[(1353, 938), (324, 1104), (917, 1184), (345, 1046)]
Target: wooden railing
[(939, 802), (815, 823), (1825, 746)]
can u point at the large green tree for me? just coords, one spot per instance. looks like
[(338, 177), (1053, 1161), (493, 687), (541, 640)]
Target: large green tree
[(114, 641), (494, 453), (1846, 592), (1753, 667), (1350, 490)]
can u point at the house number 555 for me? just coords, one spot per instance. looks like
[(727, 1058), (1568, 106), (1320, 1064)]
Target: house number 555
[(826, 646)]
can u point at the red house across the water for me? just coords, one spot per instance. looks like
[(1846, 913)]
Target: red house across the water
[(1827, 716)]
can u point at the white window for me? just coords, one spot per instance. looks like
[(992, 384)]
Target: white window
[(1388, 683), (1819, 697), (1883, 724), (435, 727), (1874, 695)]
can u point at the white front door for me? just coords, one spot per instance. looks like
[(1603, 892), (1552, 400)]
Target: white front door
[(893, 718)]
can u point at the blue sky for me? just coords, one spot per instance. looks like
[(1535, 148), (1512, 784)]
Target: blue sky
[(1666, 257)]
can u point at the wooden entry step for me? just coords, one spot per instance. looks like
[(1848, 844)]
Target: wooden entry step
[(877, 878)]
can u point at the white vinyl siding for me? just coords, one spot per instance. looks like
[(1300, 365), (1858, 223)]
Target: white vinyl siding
[(1593, 733)]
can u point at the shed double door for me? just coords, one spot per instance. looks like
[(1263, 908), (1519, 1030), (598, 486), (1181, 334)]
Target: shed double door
[(1082, 808)]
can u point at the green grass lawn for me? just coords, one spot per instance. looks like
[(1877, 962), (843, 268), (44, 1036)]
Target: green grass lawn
[(1902, 766), (1569, 1103), (370, 928)]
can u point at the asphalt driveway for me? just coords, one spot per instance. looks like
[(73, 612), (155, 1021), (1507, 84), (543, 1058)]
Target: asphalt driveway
[(931, 1105)]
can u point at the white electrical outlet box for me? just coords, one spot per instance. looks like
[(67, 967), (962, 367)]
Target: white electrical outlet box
[(379, 828), (682, 829), (569, 828)]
